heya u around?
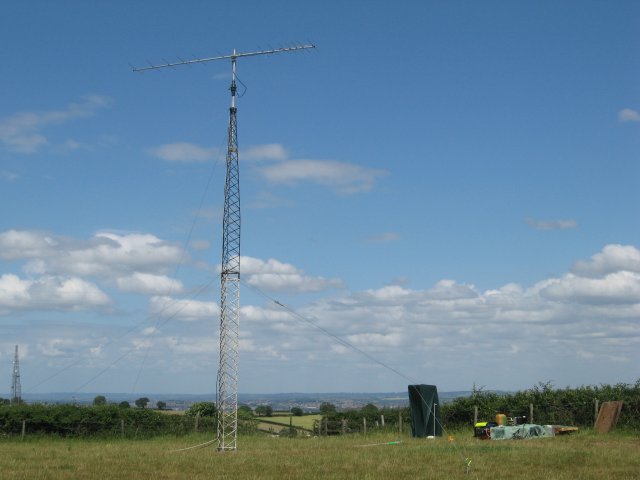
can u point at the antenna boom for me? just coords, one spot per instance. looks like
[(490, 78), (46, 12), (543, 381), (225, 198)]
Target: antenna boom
[(232, 56)]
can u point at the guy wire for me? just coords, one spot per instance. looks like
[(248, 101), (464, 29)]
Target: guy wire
[(347, 344)]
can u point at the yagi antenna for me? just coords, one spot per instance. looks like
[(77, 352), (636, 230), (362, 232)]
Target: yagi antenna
[(227, 381), (232, 56)]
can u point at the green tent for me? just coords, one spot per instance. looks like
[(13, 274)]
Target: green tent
[(425, 411)]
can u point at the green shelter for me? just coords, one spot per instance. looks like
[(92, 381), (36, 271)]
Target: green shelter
[(425, 411)]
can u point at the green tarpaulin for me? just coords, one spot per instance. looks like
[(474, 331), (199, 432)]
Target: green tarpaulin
[(521, 431), (423, 400)]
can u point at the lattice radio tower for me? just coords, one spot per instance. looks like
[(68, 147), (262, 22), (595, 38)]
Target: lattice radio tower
[(227, 381), (16, 388)]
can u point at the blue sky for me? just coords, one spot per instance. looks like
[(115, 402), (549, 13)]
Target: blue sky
[(448, 186)]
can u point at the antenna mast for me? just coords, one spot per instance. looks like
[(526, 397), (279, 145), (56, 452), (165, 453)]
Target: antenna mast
[(227, 381), (16, 388)]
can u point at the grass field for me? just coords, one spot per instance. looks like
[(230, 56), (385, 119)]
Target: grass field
[(305, 421), (582, 456)]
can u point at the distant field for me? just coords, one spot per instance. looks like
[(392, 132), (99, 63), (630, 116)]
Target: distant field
[(583, 456), (305, 421)]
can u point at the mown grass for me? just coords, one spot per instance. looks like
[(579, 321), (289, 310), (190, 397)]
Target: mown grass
[(581, 456)]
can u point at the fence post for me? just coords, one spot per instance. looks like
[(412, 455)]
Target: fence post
[(382, 420), (364, 425), (595, 415), (326, 426), (122, 427), (24, 428), (475, 415), (344, 426), (531, 413), (197, 421), (400, 421)]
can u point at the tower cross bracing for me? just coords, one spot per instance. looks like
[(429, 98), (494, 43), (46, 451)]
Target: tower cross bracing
[(228, 367)]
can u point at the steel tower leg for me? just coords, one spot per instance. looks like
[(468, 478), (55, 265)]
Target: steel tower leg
[(16, 388), (227, 387)]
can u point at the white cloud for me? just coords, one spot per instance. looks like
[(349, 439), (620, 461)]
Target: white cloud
[(148, 283), (22, 132), (530, 331), (618, 287), (391, 293), (184, 152), (107, 255), (343, 177), (187, 152), (551, 224), (260, 353), (192, 346), (269, 316), (49, 293), (184, 309), (450, 290), (376, 339), (628, 115), (269, 151), (20, 244), (62, 270), (613, 258), (523, 324), (275, 276)]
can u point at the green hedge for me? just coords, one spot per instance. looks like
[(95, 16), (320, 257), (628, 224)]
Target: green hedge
[(567, 406), (563, 406), (102, 421)]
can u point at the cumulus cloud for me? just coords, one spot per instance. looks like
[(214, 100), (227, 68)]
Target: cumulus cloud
[(551, 224), (62, 272), (252, 313), (183, 309), (49, 293), (148, 283), (611, 259), (556, 317), (343, 177), (191, 346), (20, 244), (588, 316), (275, 276), (23, 132), (107, 255), (628, 115), (615, 288), (376, 339)]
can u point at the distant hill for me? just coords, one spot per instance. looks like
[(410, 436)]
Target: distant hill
[(279, 401)]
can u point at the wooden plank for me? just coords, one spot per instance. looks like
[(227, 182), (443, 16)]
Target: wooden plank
[(608, 416)]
